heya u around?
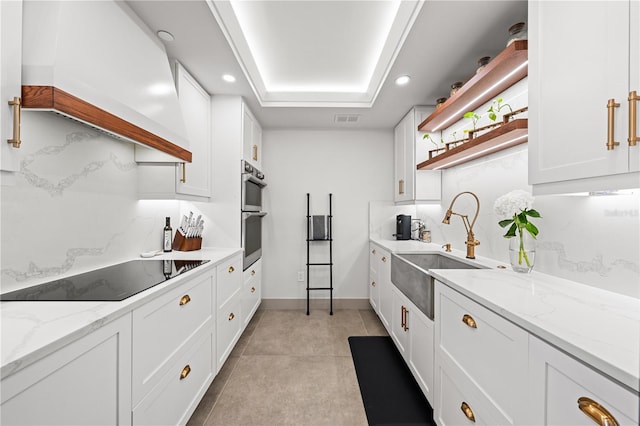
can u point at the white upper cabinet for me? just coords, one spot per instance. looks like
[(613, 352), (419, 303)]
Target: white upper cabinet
[(10, 87), (410, 149), (158, 179), (582, 55), (251, 138)]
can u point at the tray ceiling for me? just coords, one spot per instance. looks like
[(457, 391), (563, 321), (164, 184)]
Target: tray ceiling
[(315, 53)]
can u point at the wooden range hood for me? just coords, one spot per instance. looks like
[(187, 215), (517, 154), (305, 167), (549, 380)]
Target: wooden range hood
[(59, 101)]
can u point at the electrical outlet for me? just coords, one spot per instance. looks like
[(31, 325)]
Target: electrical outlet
[(300, 276)]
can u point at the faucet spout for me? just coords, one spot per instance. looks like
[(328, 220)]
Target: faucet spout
[(471, 242)]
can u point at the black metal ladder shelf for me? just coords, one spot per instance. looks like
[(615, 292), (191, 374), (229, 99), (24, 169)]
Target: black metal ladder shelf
[(328, 238)]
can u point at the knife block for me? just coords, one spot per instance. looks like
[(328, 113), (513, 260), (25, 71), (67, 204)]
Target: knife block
[(182, 243)]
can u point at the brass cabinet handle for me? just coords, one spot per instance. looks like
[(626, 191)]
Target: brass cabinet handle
[(405, 311), (469, 321), (373, 251), (633, 117), (611, 144), (384, 259), (231, 269), (255, 152), (183, 179), (468, 412), (253, 272), (16, 103), (596, 412), (185, 372), (253, 289), (185, 299), (231, 316), (373, 283), (401, 186)]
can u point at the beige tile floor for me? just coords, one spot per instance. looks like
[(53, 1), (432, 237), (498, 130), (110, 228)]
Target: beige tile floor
[(291, 369)]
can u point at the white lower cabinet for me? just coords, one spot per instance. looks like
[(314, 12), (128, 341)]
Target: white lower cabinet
[(421, 353), (164, 327), (251, 291), (567, 392), (483, 356), (176, 396), (87, 382), (374, 292), (229, 321)]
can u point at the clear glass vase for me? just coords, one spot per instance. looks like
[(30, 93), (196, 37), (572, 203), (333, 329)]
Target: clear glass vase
[(522, 252)]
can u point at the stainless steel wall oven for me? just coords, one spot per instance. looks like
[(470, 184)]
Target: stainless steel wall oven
[(252, 214)]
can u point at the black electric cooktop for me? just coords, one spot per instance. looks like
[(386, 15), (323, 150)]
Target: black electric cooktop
[(113, 283)]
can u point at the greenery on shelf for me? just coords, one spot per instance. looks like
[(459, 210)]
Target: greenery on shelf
[(495, 107), (474, 120)]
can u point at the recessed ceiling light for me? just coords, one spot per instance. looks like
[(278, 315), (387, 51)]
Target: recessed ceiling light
[(165, 35), (229, 78), (403, 80)]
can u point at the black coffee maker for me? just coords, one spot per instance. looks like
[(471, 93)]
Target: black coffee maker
[(403, 227)]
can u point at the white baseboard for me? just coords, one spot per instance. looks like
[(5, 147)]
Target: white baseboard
[(297, 304)]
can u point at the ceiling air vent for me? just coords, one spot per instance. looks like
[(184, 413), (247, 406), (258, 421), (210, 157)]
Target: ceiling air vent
[(346, 118)]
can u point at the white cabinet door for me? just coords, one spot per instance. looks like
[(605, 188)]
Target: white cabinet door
[(10, 78), (194, 178), (421, 353), (560, 385), (399, 322), (374, 293), (87, 382), (385, 289), (411, 184), (159, 176), (251, 138), (578, 60)]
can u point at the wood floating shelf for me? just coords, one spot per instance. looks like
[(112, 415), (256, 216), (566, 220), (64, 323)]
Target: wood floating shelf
[(53, 99), (506, 69), (507, 135)]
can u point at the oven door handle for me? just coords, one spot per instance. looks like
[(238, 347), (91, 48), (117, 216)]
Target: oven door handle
[(252, 178), (246, 215)]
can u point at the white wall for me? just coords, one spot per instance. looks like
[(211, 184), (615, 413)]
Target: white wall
[(356, 166), (594, 240)]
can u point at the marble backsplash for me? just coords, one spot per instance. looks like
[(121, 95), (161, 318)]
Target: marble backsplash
[(593, 240), (73, 205)]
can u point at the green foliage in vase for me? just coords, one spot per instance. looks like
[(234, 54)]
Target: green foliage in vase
[(428, 137), (474, 120)]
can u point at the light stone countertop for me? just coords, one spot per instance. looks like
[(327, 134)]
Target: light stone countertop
[(599, 327), (33, 330)]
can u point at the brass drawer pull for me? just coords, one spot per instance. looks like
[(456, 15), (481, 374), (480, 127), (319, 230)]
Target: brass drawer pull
[(253, 289), (373, 283), (185, 372), (231, 269), (185, 299), (596, 412), (17, 107), (253, 272), (611, 104), (633, 117), (469, 321), (384, 259), (468, 412), (373, 251), (231, 316)]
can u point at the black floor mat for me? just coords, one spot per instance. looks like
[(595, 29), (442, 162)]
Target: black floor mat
[(390, 394)]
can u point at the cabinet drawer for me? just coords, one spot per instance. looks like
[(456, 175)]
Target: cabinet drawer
[(452, 393), (228, 327), (486, 347), (161, 328), (229, 280), (560, 382), (175, 398)]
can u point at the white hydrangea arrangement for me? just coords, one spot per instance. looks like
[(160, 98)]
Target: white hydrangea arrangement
[(516, 207)]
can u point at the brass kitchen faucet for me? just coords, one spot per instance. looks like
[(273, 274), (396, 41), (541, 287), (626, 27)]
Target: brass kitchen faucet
[(471, 240)]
